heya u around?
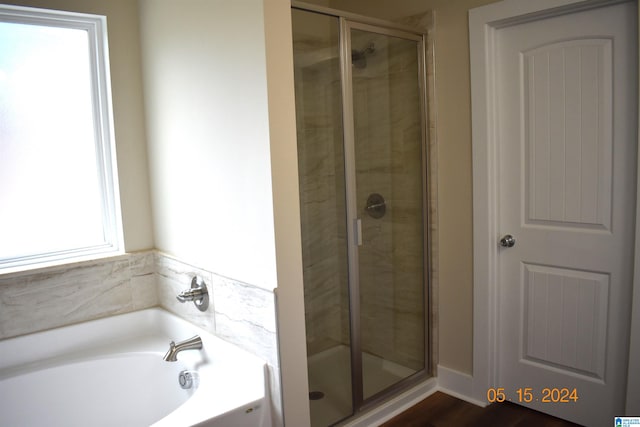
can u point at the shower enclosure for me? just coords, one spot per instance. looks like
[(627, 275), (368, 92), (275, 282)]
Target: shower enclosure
[(360, 105)]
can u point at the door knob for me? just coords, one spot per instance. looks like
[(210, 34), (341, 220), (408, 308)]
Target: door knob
[(508, 241)]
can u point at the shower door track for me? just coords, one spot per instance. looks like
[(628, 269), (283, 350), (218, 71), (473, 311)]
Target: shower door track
[(347, 22)]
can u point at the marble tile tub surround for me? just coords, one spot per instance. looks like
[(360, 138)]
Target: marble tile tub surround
[(37, 300), (47, 298), (242, 314)]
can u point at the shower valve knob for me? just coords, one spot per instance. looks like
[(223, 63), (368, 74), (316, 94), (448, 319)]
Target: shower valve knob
[(198, 294)]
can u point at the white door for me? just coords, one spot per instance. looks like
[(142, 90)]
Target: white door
[(567, 113)]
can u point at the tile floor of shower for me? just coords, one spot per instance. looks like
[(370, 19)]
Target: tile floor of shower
[(330, 374)]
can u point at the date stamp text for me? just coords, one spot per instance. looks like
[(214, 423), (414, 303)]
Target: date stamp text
[(529, 394)]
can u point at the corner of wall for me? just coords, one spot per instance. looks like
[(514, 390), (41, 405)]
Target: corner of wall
[(284, 175)]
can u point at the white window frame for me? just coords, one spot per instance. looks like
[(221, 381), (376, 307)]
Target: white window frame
[(96, 27)]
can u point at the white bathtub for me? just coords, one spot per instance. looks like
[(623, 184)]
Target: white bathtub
[(110, 372)]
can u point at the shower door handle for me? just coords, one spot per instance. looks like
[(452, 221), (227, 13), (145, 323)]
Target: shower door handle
[(358, 231)]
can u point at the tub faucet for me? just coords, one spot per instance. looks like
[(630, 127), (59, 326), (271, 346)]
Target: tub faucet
[(193, 343)]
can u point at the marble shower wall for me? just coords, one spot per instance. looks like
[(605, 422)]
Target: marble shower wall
[(389, 146), (321, 179)]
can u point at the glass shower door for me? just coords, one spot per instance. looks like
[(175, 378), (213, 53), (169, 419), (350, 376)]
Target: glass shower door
[(360, 129), (323, 214), (389, 188)]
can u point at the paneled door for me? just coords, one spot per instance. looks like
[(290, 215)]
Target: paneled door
[(567, 93)]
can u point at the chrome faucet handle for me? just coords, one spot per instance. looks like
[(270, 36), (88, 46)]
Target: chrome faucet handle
[(191, 294), (198, 293)]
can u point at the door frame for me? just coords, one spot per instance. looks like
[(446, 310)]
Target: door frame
[(483, 24)]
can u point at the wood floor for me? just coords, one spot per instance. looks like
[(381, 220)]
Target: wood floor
[(442, 410)]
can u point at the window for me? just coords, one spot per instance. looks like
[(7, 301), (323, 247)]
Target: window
[(58, 180)]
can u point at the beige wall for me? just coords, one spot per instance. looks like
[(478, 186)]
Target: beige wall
[(128, 111), (453, 101), (208, 129)]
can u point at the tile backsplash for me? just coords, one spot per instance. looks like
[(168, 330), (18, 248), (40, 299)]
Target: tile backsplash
[(238, 312), (62, 295), (48, 298)]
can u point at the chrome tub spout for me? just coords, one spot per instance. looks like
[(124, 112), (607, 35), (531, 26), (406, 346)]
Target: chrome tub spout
[(193, 343)]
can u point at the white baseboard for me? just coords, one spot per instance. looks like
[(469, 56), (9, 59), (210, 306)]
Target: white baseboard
[(457, 384)]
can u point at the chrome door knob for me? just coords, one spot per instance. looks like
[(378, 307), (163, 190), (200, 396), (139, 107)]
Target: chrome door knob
[(508, 241)]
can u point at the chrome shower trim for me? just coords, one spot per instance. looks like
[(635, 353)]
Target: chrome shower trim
[(198, 293)]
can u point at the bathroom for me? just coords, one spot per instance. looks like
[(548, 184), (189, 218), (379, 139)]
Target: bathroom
[(207, 164), (246, 148)]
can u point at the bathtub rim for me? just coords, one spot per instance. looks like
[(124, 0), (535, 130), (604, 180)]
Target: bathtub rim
[(113, 337)]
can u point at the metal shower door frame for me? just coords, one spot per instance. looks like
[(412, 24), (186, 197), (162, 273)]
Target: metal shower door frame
[(353, 226)]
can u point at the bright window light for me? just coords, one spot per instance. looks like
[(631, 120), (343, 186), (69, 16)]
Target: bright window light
[(58, 197)]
